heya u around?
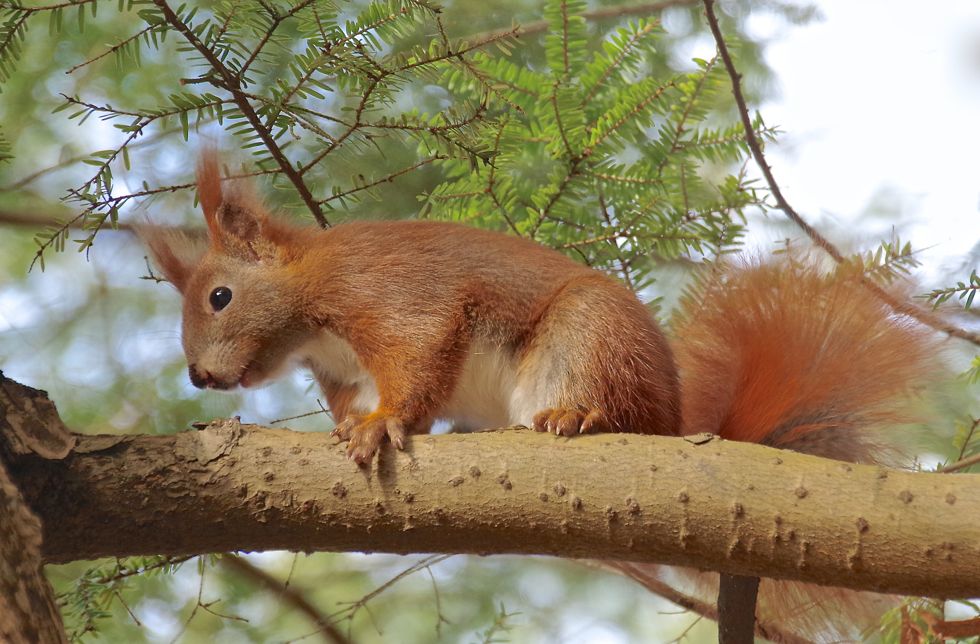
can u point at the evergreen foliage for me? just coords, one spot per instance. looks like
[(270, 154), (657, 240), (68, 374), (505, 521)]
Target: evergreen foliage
[(603, 154)]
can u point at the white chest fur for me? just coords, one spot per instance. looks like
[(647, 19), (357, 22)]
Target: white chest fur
[(481, 399)]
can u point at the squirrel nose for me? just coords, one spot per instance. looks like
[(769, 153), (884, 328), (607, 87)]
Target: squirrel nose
[(200, 379)]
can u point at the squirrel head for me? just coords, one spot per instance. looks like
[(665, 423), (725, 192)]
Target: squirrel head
[(241, 318)]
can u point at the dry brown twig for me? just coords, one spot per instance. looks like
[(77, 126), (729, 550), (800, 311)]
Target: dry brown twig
[(243, 567)]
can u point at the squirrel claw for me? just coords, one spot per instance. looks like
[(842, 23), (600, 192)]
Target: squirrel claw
[(563, 421), (365, 434), (344, 428)]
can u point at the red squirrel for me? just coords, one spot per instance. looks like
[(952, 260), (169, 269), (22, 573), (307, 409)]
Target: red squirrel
[(404, 322)]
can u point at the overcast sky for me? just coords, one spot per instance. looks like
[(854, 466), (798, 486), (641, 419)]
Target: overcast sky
[(882, 96)]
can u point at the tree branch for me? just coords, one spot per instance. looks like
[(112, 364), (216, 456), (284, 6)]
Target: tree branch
[(28, 612), (918, 313), (233, 84), (29, 424), (736, 609), (733, 507), (294, 598)]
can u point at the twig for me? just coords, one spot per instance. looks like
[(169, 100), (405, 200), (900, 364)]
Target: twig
[(961, 464), (11, 218), (233, 84), (968, 438), (114, 48), (388, 178), (145, 141), (680, 637), (293, 597), (815, 236)]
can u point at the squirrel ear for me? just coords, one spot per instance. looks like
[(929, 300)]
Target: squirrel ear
[(175, 252), (238, 221), (241, 232), (234, 217)]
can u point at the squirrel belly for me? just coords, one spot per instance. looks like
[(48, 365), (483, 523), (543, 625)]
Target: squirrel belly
[(480, 399)]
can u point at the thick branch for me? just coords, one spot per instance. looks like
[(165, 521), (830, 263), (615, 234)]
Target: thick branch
[(737, 508)]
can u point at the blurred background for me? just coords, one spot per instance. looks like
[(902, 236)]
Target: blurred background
[(876, 106)]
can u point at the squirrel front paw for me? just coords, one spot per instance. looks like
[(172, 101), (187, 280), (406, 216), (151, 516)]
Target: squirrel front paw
[(365, 433), (564, 421)]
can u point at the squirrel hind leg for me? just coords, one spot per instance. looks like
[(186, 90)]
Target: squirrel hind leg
[(596, 361)]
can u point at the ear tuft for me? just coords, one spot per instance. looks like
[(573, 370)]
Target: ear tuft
[(236, 218), (209, 188)]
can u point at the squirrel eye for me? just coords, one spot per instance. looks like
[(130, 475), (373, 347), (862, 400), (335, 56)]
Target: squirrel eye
[(220, 297)]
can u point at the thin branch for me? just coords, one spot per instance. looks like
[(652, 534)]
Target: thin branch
[(968, 438), (627, 48), (492, 178), (145, 141), (233, 84), (961, 464), (388, 178), (353, 607), (119, 45), (296, 599), (904, 308), (276, 20)]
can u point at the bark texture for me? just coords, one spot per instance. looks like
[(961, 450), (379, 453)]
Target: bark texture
[(29, 424), (27, 608), (698, 502)]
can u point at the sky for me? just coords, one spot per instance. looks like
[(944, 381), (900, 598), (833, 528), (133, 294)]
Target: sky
[(881, 98)]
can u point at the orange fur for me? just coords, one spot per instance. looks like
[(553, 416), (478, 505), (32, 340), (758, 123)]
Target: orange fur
[(780, 354), (397, 319), (209, 190)]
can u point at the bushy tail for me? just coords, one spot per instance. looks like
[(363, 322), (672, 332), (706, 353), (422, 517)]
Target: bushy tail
[(784, 355)]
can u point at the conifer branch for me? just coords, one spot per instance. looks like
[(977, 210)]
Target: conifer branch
[(391, 176), (114, 48), (605, 13), (233, 84)]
